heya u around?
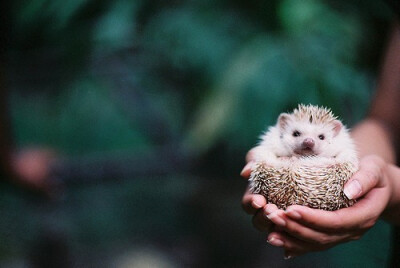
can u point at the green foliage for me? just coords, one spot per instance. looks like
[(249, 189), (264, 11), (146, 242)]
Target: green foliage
[(312, 61), (79, 121), (210, 58)]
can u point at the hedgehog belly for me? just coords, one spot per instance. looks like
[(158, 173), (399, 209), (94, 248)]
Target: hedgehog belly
[(315, 187)]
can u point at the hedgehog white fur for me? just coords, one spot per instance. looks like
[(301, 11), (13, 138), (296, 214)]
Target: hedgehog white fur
[(305, 159)]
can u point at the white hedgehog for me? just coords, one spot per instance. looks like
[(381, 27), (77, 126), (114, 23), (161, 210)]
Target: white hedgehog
[(305, 159)]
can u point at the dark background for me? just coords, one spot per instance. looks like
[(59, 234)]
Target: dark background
[(152, 106)]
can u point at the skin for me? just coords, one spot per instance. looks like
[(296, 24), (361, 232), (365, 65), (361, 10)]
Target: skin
[(300, 229)]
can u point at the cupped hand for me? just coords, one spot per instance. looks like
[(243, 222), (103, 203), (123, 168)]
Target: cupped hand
[(256, 204), (302, 229)]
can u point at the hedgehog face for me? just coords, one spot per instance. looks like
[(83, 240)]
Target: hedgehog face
[(307, 139)]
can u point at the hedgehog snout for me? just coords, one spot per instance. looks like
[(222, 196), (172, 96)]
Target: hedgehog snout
[(308, 143)]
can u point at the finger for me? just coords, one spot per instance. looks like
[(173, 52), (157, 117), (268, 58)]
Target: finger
[(321, 219), (363, 214), (289, 255), (277, 216), (270, 208), (246, 171), (282, 219), (262, 223), (368, 176), (253, 202), (293, 246), (261, 220), (311, 235)]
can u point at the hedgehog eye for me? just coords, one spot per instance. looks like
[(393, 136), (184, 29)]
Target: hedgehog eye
[(296, 133), (321, 137)]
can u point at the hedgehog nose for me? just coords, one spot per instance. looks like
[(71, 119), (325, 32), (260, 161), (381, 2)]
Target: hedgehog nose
[(308, 143)]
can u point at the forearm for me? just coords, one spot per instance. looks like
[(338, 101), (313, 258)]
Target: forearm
[(392, 213), (371, 136), (385, 106), (379, 133)]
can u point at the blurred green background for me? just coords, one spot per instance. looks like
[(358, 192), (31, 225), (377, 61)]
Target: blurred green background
[(153, 105)]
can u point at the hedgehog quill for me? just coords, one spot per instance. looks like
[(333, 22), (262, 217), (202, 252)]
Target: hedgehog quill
[(305, 159)]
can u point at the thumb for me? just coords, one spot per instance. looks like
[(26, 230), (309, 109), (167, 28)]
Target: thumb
[(367, 177)]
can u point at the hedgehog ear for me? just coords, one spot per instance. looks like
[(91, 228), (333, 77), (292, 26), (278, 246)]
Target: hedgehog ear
[(337, 126), (283, 120)]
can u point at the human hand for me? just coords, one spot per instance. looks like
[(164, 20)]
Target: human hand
[(255, 204), (300, 229)]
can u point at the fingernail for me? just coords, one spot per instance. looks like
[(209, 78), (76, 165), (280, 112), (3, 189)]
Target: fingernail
[(246, 167), (287, 257), (353, 189), (293, 214), (268, 210), (275, 242), (275, 219), (255, 204)]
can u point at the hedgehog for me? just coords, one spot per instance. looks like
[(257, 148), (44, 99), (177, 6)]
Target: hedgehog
[(305, 159)]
